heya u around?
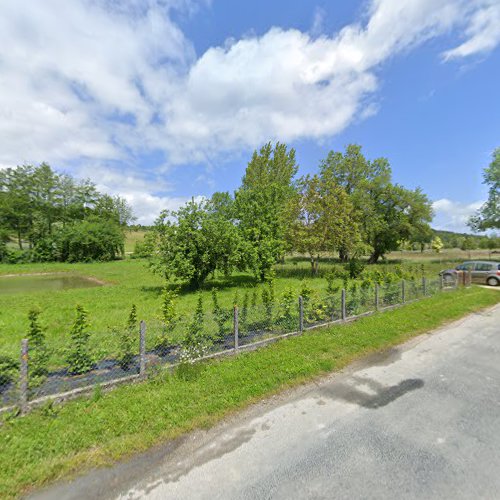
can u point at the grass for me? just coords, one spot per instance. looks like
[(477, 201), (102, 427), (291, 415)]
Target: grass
[(58, 442), (130, 282)]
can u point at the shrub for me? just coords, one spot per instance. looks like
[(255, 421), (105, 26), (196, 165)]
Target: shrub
[(127, 338), (288, 311), (37, 349), (221, 315), (169, 317), (354, 268), (79, 358), (8, 370), (196, 343)]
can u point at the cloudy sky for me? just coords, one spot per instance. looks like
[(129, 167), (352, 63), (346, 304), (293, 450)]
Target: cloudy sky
[(161, 100)]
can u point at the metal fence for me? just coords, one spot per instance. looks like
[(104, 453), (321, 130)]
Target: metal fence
[(128, 356)]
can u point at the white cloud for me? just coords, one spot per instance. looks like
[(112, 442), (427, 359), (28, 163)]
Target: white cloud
[(101, 80), (482, 32), (453, 215)]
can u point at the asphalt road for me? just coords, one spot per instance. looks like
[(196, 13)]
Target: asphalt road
[(418, 421)]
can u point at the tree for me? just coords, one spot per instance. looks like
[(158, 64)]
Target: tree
[(263, 206), (37, 347), (195, 241), (488, 216), (398, 214), (325, 219), (362, 180), (437, 244), (468, 244), (79, 358)]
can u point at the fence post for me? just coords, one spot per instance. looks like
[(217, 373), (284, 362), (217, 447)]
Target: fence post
[(301, 314), (441, 282), (343, 311), (469, 278), (236, 328), (142, 348), (377, 297), (403, 291), (23, 378), (424, 286)]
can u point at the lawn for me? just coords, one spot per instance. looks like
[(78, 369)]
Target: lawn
[(56, 442)]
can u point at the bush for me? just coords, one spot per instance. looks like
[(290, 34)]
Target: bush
[(196, 343), (141, 250), (79, 358), (169, 318), (354, 268), (221, 315), (8, 370), (38, 354), (91, 240), (127, 338)]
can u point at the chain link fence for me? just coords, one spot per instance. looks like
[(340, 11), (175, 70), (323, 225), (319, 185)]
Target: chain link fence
[(66, 369)]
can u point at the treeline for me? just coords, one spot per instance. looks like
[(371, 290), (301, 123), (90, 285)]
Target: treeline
[(53, 217), (350, 206)]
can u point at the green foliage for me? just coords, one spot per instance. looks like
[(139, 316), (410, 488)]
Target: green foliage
[(221, 315), (488, 216), (196, 342), (195, 241), (263, 206), (437, 244), (354, 268), (324, 219), (48, 210), (268, 302), (79, 356), (9, 369), (288, 311), (128, 337), (244, 311), (37, 345), (169, 317)]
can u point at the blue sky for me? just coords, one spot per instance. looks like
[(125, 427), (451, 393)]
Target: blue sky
[(161, 100)]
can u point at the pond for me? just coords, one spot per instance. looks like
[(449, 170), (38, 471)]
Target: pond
[(43, 282)]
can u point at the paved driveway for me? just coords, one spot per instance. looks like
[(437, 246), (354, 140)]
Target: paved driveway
[(419, 421)]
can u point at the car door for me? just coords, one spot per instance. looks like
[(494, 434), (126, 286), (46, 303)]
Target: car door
[(481, 271)]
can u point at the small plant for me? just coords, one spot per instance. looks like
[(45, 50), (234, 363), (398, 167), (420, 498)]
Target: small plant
[(244, 312), (8, 370), (268, 306), (254, 298), (168, 318), (38, 354), (195, 343), (127, 338), (288, 318), (79, 358), (221, 315), (354, 268)]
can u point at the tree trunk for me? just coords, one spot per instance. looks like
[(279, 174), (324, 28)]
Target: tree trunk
[(19, 239), (343, 255), (374, 257)]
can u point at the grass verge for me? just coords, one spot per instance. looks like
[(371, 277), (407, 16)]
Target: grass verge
[(57, 442)]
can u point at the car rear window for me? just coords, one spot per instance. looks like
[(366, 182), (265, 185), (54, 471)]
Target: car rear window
[(484, 266)]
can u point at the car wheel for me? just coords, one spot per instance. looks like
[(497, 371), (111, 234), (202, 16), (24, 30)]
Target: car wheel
[(492, 281)]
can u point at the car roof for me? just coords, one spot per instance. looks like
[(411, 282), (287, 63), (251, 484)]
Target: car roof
[(481, 262)]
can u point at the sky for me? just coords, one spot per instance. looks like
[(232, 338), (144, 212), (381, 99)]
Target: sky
[(162, 100)]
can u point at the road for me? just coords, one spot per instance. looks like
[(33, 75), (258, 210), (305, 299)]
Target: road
[(418, 421)]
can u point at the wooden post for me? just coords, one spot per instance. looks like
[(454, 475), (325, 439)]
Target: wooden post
[(377, 297), (469, 278), (23, 381), (424, 286), (301, 314), (142, 348), (236, 328), (441, 282), (343, 310), (403, 291)]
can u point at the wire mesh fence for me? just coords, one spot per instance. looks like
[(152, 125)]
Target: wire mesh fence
[(86, 360)]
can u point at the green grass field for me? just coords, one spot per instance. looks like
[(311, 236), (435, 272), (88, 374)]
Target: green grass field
[(130, 282), (57, 442)]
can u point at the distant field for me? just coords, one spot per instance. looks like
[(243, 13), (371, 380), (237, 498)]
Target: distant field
[(131, 238), (453, 254)]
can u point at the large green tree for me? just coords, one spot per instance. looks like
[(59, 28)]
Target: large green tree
[(488, 216), (195, 241), (263, 206), (325, 219)]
